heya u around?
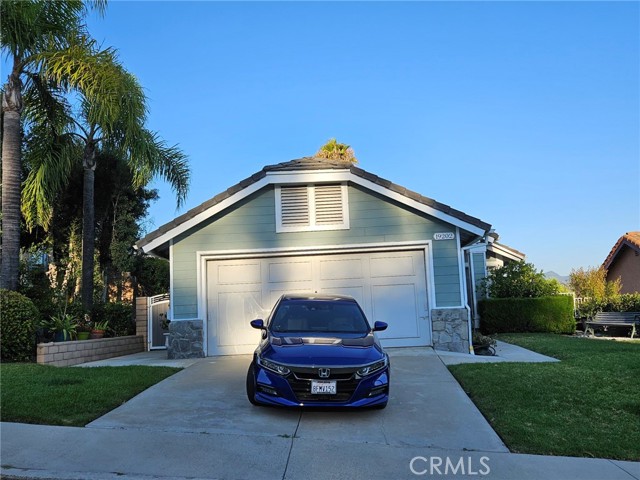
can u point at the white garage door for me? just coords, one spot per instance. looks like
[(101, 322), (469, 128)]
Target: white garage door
[(390, 287)]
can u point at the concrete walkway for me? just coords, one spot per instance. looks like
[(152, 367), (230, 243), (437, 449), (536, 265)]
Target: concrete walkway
[(198, 424)]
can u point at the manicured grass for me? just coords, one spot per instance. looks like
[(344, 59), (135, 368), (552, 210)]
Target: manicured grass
[(70, 396), (587, 405)]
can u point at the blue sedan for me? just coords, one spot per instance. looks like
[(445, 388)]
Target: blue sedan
[(318, 351)]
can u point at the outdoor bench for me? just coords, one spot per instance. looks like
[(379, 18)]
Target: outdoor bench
[(613, 319)]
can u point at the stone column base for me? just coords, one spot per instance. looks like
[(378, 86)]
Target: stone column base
[(450, 329), (185, 339)]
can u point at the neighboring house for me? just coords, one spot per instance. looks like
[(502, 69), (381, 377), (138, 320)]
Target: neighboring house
[(316, 225), (498, 254), (624, 262)]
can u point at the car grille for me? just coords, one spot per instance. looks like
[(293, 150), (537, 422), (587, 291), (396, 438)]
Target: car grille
[(300, 381)]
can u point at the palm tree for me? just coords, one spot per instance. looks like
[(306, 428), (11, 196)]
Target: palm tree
[(112, 118), (337, 151), (31, 29)]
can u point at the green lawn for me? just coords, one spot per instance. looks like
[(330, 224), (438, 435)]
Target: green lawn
[(70, 396), (587, 405)]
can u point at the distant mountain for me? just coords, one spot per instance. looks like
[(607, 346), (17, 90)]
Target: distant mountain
[(564, 279)]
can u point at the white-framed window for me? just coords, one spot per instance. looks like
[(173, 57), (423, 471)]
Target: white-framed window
[(302, 208)]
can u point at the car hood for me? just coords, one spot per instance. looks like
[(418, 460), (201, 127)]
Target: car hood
[(304, 350)]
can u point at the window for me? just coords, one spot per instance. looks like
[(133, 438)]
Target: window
[(311, 207)]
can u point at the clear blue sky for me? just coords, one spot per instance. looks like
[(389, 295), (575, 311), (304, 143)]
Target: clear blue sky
[(525, 115)]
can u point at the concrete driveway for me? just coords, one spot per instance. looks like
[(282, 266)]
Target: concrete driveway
[(427, 408), (198, 424)]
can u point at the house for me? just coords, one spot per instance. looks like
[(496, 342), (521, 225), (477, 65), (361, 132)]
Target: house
[(624, 262), (499, 254), (317, 225)]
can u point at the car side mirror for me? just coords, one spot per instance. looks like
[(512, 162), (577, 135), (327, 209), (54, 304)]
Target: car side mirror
[(379, 326), (259, 324)]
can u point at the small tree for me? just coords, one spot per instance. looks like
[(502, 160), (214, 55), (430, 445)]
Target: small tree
[(592, 283), (333, 150), (518, 280)]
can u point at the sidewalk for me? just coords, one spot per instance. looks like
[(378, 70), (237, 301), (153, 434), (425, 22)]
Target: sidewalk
[(35, 451)]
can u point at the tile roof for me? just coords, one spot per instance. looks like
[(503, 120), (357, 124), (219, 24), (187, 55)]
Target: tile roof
[(630, 239), (312, 163)]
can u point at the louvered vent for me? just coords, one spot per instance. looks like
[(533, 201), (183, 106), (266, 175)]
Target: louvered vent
[(295, 206), (328, 200)]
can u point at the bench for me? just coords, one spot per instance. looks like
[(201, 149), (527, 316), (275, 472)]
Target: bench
[(613, 319)]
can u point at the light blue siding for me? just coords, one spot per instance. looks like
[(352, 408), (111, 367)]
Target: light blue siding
[(250, 224)]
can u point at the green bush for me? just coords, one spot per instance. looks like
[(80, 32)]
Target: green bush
[(543, 314), (627, 302), (118, 314), (518, 280), (18, 322)]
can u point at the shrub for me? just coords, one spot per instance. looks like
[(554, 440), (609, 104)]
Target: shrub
[(543, 314), (627, 302), (18, 322), (118, 314), (518, 280), (592, 283)]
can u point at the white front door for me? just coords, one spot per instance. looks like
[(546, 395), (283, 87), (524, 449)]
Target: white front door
[(389, 286)]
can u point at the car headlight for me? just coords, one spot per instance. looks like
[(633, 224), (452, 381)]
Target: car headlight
[(273, 367), (372, 368)]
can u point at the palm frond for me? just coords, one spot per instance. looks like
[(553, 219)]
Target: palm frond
[(49, 160), (150, 156)]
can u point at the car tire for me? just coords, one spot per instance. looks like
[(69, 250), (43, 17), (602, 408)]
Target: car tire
[(251, 384)]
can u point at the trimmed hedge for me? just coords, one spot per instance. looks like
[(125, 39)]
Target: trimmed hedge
[(514, 315), (18, 323)]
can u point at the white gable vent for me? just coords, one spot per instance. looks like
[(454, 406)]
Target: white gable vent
[(311, 207)]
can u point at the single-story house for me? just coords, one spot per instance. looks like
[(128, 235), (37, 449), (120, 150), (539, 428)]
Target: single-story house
[(624, 262), (322, 226)]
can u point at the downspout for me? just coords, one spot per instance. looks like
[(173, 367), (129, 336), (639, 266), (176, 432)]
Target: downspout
[(465, 251)]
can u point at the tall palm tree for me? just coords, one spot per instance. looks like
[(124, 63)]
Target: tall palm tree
[(31, 28), (113, 118), (337, 151)]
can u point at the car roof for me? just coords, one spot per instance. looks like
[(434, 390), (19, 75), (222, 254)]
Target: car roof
[(315, 296)]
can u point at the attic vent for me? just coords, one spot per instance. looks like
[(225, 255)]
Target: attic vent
[(311, 207), (295, 206)]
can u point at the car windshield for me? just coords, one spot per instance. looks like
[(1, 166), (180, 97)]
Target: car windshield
[(314, 316)]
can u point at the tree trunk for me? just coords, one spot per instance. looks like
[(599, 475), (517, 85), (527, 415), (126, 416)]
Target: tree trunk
[(11, 173), (88, 226)]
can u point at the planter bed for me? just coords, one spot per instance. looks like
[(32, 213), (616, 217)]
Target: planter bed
[(64, 354)]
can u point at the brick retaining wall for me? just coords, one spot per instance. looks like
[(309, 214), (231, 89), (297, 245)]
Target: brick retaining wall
[(63, 354)]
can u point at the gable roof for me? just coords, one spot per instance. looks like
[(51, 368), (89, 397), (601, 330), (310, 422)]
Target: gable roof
[(298, 171), (629, 239), (505, 251)]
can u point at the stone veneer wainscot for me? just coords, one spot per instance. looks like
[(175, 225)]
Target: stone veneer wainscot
[(185, 339), (450, 327)]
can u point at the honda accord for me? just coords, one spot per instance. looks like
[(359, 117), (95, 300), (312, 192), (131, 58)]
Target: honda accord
[(318, 351)]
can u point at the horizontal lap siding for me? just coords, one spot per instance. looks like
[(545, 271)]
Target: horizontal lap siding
[(251, 225)]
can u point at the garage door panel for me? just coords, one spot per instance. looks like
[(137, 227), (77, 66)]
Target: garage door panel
[(392, 266), (356, 292), (290, 271), (341, 269), (235, 311), (239, 273), (396, 305)]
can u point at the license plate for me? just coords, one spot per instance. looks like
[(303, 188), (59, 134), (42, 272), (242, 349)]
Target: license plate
[(323, 387)]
